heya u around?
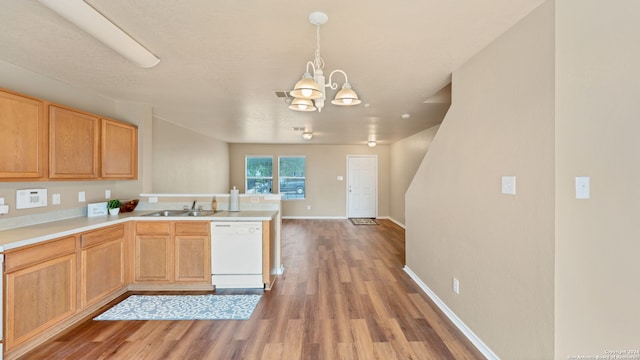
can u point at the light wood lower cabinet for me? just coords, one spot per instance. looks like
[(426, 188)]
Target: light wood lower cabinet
[(40, 289), (172, 252), (192, 246), (102, 263)]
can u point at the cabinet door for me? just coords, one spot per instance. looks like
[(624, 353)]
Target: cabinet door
[(152, 258), (192, 251), (23, 148), (38, 297), (119, 150), (102, 264), (192, 258), (73, 144)]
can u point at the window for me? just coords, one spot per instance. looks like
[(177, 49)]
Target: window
[(259, 170), (292, 177)]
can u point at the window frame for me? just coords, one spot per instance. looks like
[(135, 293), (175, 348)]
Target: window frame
[(303, 178), (247, 177)]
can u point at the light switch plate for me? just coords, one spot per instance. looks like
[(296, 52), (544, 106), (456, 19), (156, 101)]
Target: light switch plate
[(509, 185), (582, 187)]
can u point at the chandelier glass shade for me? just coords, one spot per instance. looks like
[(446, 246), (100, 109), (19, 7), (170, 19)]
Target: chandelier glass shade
[(312, 85), (306, 88), (300, 104)]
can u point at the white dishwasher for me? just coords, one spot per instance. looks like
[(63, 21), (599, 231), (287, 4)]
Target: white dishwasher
[(236, 254)]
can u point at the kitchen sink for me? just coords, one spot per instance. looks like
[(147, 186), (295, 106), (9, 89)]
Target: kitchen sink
[(168, 213)]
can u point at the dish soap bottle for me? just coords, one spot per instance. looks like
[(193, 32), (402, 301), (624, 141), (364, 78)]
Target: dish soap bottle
[(214, 204)]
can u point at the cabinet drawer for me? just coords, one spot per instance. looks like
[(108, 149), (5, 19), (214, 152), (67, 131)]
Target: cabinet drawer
[(99, 236), (39, 253), (192, 228), (153, 227)]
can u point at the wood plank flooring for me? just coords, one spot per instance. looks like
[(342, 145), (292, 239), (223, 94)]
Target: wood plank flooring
[(343, 295)]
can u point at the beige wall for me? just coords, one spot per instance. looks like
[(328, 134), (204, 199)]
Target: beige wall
[(30, 83), (500, 247), (406, 157), (597, 127), (185, 162), (325, 194)]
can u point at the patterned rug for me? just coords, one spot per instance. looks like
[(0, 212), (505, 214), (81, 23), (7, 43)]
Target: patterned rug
[(183, 307), (363, 221)]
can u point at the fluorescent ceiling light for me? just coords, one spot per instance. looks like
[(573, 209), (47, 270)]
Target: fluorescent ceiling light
[(88, 19)]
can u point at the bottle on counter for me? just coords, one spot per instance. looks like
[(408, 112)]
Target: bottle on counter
[(214, 204)]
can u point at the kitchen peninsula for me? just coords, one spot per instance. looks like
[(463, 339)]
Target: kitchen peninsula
[(61, 272)]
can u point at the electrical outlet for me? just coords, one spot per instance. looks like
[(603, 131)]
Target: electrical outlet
[(153, 199), (55, 199), (308, 207), (81, 196), (107, 194), (456, 286)]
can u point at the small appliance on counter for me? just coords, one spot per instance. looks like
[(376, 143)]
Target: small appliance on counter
[(234, 199)]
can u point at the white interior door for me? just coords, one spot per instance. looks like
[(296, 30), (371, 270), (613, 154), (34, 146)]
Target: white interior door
[(362, 186)]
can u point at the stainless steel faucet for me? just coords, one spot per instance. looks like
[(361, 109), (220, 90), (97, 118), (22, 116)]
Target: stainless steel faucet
[(193, 207)]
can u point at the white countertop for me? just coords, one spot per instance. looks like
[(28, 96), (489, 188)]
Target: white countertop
[(28, 235)]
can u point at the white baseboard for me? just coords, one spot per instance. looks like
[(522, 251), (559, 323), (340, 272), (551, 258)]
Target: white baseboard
[(466, 331), (397, 222), (315, 217)]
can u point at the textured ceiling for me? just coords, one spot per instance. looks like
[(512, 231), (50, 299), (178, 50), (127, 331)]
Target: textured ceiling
[(221, 61)]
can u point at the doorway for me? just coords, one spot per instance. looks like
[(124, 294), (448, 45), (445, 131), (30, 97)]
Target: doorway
[(362, 186)]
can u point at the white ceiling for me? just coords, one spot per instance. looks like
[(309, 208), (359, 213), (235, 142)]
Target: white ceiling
[(221, 61)]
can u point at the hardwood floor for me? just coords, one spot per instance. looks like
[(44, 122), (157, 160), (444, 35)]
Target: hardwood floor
[(343, 295)]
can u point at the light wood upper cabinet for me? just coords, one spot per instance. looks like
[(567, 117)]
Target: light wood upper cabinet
[(119, 150), (24, 139), (42, 141), (73, 145)]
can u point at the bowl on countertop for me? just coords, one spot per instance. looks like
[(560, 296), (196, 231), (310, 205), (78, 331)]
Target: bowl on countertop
[(129, 206)]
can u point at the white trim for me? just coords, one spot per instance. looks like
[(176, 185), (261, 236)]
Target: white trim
[(397, 222), (315, 217), (466, 331)]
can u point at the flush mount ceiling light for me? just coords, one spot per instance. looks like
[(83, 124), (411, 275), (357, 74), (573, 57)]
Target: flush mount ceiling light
[(307, 135), (88, 19), (371, 143), (312, 86)]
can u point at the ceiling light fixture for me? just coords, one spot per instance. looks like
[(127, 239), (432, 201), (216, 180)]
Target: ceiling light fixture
[(371, 143), (307, 135), (312, 88), (88, 19)]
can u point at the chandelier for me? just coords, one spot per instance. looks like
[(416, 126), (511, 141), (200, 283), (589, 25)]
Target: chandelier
[(309, 93)]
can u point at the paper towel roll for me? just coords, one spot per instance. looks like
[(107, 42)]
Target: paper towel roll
[(233, 199)]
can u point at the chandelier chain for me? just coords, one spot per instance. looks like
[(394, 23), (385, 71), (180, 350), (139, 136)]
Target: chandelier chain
[(318, 62)]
